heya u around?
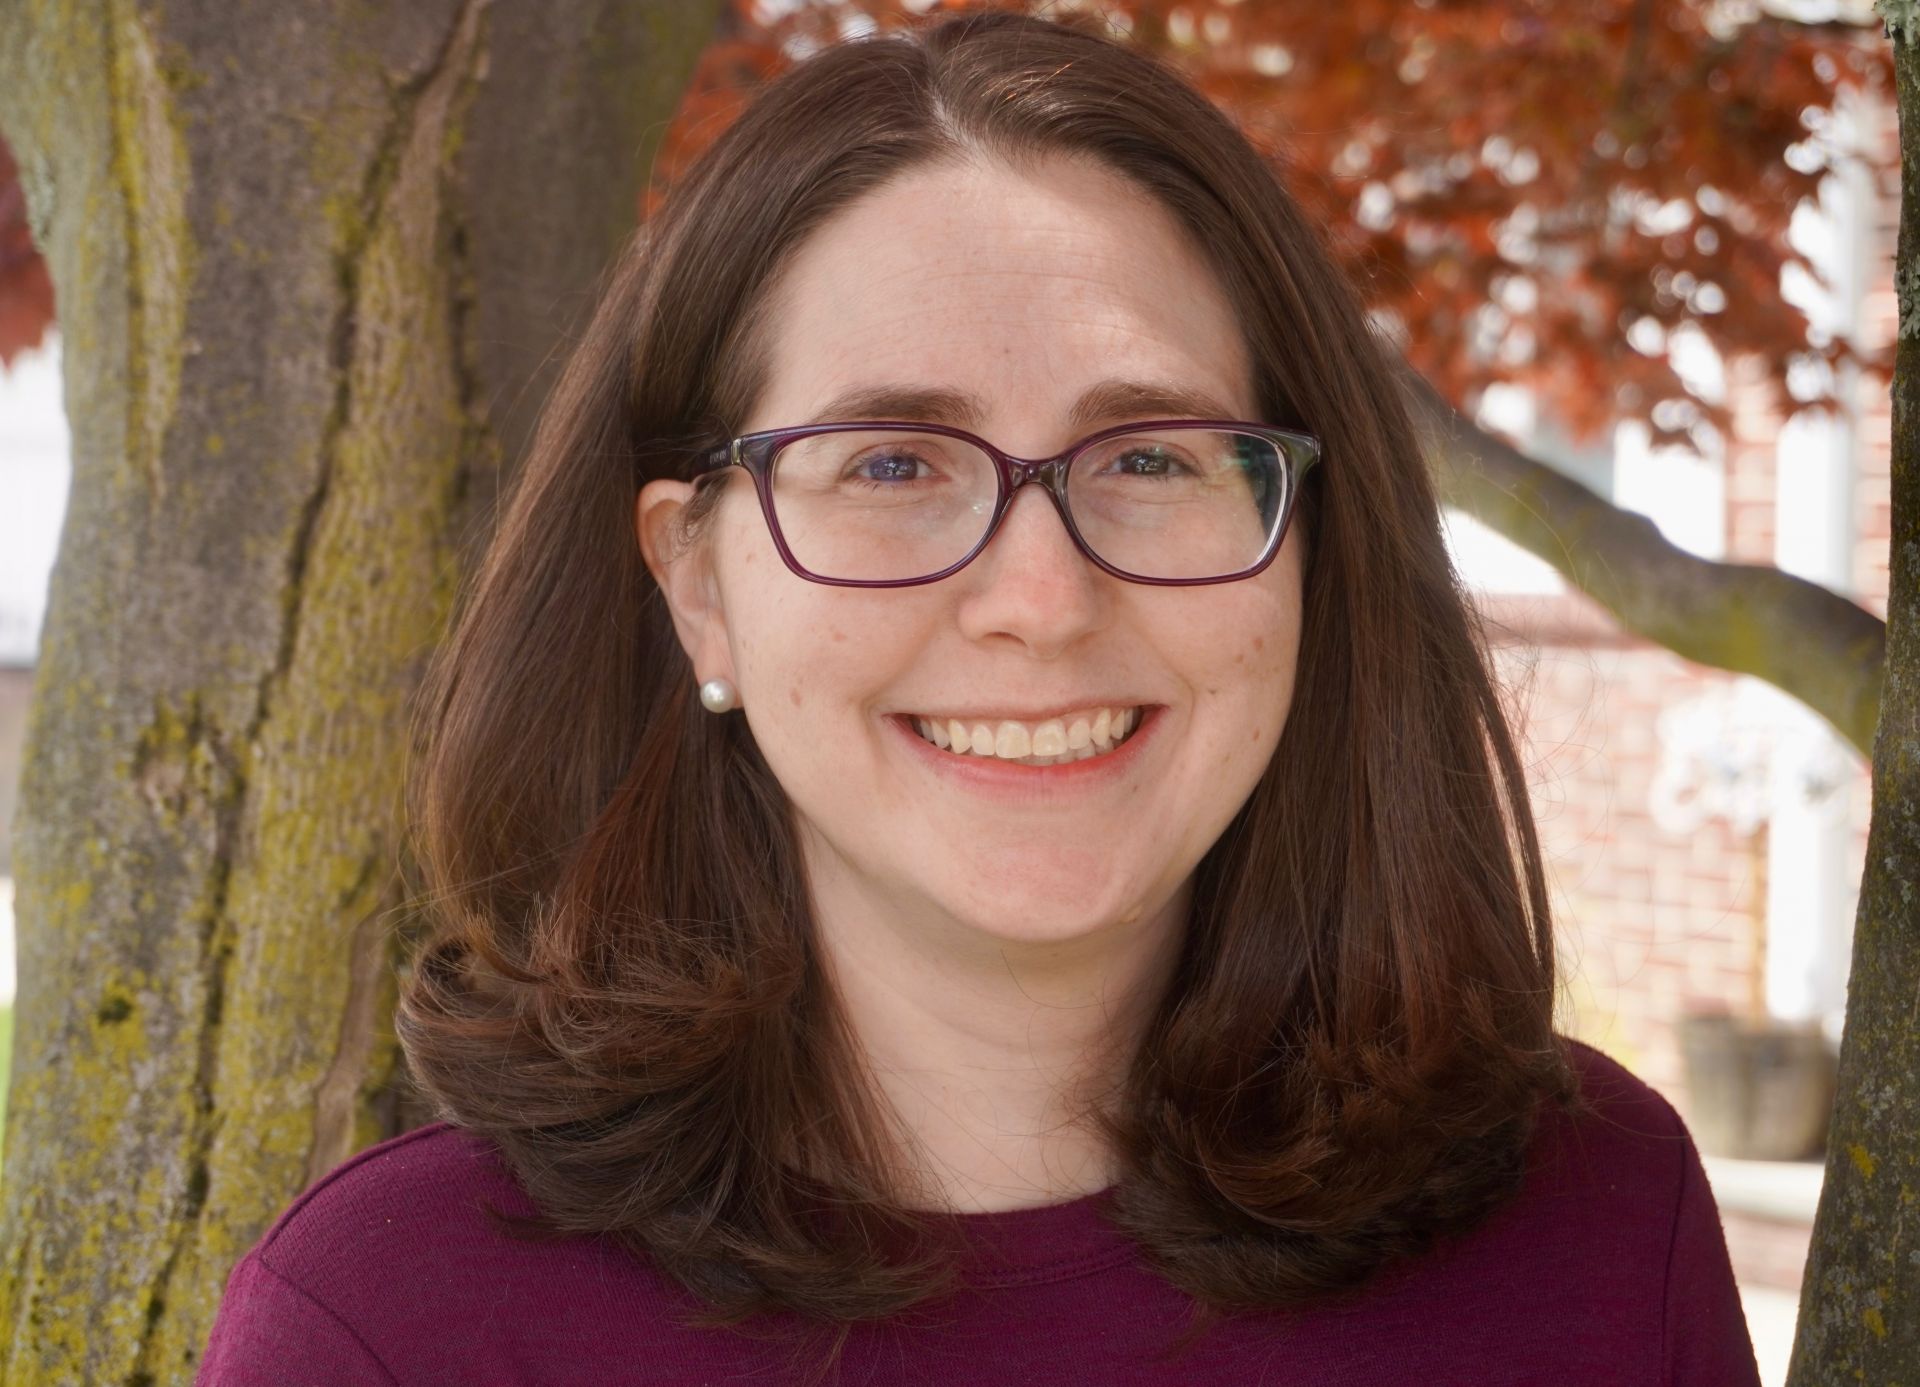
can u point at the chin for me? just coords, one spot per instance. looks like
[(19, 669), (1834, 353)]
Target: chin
[(1034, 930), (1025, 917)]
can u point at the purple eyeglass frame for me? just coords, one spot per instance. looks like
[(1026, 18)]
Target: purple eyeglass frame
[(756, 451)]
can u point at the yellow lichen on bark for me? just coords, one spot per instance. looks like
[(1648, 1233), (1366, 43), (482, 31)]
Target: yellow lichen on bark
[(1862, 1271), (151, 168), (261, 548), (364, 619)]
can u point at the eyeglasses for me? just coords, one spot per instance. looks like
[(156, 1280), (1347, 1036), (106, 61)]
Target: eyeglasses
[(876, 504)]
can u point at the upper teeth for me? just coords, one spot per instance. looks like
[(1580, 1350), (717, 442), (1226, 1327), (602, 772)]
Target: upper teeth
[(1070, 738)]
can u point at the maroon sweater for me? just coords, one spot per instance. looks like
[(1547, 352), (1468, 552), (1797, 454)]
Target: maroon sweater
[(1609, 1267)]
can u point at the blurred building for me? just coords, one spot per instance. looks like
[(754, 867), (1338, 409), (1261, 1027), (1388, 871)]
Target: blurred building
[(33, 489), (1705, 833)]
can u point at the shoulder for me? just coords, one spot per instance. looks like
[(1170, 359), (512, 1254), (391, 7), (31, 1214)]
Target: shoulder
[(1608, 1172), (1609, 1264), (392, 1263), (1595, 1214), (1616, 1168), (1625, 1119), (404, 1204), (1626, 1182)]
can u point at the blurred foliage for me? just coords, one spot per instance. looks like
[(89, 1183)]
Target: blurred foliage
[(26, 290), (1540, 192)]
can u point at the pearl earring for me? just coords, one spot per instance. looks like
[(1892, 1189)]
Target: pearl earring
[(719, 696)]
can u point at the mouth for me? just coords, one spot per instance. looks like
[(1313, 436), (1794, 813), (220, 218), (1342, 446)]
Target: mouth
[(1083, 735)]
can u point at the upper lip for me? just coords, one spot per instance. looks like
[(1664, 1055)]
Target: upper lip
[(1008, 715)]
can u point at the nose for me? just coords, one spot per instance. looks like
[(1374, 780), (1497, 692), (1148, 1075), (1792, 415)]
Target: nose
[(1031, 584)]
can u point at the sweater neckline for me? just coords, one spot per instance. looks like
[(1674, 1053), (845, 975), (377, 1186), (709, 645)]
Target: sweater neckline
[(1003, 1247), (1041, 1242)]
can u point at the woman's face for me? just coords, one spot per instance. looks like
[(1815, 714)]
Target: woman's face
[(1031, 293)]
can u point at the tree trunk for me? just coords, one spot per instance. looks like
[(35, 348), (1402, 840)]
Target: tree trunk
[(311, 262), (1860, 1301)]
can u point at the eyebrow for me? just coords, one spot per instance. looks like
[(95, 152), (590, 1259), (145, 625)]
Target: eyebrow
[(1105, 402)]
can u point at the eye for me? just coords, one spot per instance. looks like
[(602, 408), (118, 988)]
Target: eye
[(1144, 460), (887, 467)]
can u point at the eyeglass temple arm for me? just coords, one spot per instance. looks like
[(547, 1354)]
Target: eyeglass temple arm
[(713, 459)]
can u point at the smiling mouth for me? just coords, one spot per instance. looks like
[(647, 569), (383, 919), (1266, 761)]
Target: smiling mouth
[(1079, 736)]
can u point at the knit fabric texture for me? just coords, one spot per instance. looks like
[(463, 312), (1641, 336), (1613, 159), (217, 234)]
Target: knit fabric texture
[(1610, 1267)]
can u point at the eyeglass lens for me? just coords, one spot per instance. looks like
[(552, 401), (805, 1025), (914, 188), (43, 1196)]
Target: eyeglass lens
[(884, 506)]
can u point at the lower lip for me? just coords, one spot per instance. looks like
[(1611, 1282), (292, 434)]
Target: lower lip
[(1009, 780)]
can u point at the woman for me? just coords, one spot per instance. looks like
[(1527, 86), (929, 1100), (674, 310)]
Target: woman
[(896, 922)]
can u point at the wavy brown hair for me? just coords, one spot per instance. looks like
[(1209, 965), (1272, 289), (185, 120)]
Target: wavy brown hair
[(621, 989)]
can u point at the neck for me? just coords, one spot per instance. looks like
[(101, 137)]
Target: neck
[(989, 1051)]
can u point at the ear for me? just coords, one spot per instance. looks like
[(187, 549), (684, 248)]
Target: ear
[(683, 567)]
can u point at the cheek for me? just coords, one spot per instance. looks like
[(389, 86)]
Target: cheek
[(1243, 668), (1266, 653), (1270, 659), (769, 623), (1275, 676), (814, 660), (782, 674)]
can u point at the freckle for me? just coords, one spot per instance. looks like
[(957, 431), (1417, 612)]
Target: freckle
[(1256, 735), (1240, 659), (793, 696)]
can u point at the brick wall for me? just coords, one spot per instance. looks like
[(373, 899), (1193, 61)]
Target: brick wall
[(1650, 922), (1655, 921)]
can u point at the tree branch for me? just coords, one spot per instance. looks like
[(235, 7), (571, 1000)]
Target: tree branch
[(1747, 618)]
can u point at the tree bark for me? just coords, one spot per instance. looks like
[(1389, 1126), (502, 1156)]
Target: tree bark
[(1860, 1300), (313, 262)]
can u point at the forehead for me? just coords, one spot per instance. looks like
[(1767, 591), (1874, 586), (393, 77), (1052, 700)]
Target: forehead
[(989, 292)]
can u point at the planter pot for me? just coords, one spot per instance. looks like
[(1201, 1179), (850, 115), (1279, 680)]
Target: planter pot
[(1757, 1089)]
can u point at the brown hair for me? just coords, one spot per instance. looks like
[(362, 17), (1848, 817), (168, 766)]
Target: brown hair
[(621, 990)]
